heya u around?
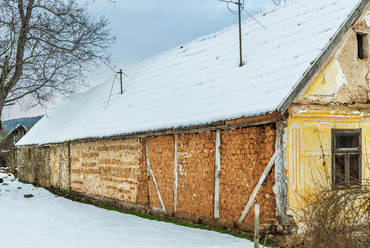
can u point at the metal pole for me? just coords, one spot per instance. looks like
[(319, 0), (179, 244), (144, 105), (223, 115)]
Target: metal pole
[(120, 75), (256, 224), (240, 34)]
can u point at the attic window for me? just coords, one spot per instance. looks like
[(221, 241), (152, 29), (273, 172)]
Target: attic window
[(362, 46)]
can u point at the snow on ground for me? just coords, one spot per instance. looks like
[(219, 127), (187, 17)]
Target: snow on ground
[(50, 221)]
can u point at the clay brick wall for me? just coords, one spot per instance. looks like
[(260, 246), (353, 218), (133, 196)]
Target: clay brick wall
[(196, 170), (34, 165), (245, 153), (117, 169), (60, 166), (143, 189), (162, 160), (110, 168)]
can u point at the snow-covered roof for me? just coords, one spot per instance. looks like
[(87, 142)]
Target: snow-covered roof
[(201, 82)]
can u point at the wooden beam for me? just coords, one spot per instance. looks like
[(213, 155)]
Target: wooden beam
[(147, 162), (281, 185), (176, 172), (151, 172), (217, 176), (258, 186)]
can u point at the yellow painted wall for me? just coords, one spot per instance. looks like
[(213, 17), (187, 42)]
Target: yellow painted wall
[(307, 132)]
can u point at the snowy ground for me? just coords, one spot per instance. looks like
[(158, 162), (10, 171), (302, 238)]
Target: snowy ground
[(50, 221)]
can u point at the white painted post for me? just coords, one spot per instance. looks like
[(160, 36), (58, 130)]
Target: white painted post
[(156, 186), (256, 224), (147, 163), (175, 183), (258, 186), (217, 177), (151, 171)]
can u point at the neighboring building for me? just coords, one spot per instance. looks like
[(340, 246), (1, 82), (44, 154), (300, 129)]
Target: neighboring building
[(193, 133), (7, 145)]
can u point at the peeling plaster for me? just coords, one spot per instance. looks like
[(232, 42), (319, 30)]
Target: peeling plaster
[(338, 96)]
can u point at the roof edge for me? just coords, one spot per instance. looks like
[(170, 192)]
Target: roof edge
[(226, 124), (322, 58)]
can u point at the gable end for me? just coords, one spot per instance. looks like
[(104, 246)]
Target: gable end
[(322, 58)]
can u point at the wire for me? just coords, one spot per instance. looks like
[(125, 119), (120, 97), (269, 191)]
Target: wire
[(242, 8), (111, 90), (116, 72), (254, 19), (235, 12)]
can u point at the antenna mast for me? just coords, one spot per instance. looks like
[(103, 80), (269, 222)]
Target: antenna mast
[(120, 76), (239, 12), (240, 34), (241, 8)]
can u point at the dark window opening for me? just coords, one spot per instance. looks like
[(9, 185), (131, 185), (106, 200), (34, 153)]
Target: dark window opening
[(346, 157), (362, 46), (346, 140)]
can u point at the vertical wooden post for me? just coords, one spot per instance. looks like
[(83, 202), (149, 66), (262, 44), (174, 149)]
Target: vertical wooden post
[(69, 167), (281, 185), (147, 163), (217, 177), (256, 224), (175, 183)]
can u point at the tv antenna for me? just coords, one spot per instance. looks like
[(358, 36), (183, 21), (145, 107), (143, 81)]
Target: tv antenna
[(241, 8)]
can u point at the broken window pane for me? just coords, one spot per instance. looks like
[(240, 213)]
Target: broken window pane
[(339, 170), (354, 169)]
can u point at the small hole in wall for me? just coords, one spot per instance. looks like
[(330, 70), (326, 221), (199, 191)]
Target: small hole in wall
[(362, 46)]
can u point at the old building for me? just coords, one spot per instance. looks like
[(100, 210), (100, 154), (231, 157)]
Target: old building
[(7, 145), (198, 136)]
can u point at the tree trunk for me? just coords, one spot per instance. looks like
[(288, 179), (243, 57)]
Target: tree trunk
[(1, 122)]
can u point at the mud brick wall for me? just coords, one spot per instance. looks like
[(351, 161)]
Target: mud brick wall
[(110, 168), (143, 189), (60, 166), (162, 160), (117, 169), (196, 170), (34, 165), (245, 154)]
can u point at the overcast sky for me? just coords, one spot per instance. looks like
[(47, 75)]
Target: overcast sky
[(145, 28)]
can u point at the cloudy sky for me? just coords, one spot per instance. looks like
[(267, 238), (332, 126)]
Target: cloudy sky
[(145, 28)]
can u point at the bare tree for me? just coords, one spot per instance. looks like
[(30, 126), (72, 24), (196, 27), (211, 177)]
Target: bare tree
[(46, 47)]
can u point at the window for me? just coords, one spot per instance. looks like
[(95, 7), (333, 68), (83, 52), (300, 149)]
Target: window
[(362, 46), (346, 158)]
